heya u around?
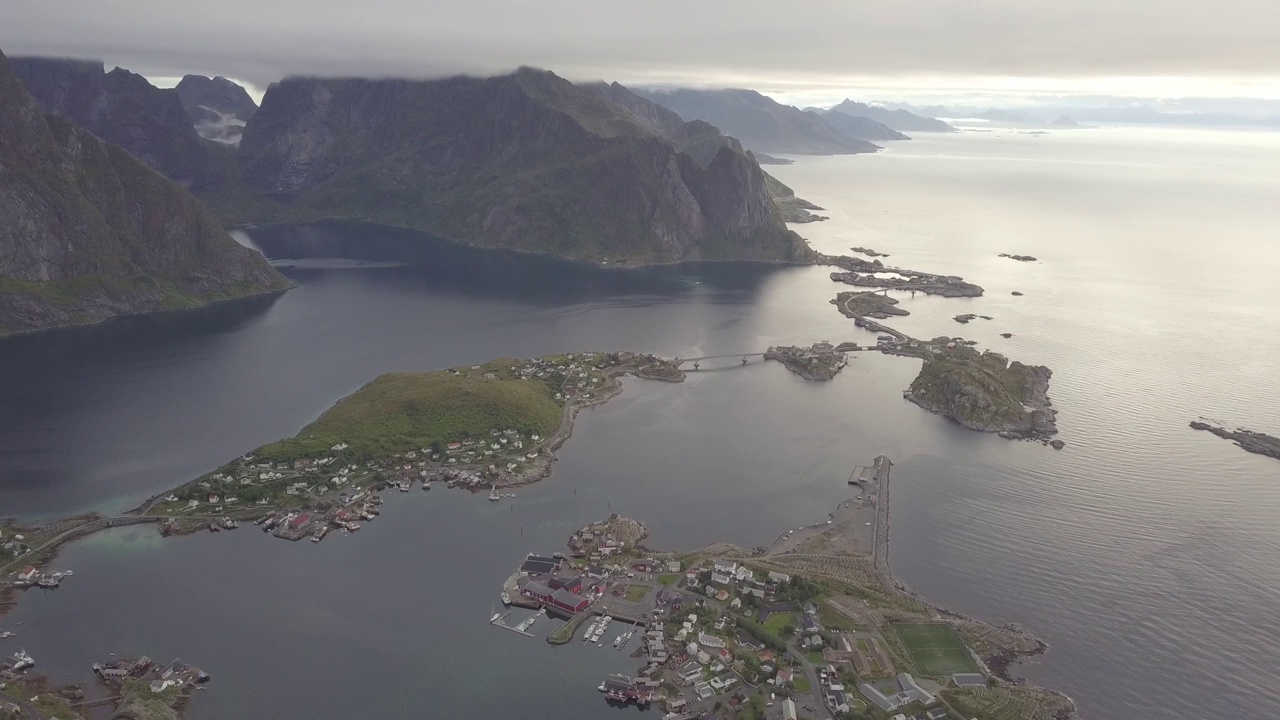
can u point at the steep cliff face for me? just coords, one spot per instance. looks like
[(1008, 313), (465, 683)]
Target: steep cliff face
[(218, 107), (526, 161), (123, 109), (88, 232), (217, 94)]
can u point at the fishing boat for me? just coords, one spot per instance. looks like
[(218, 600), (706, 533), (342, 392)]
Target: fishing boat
[(5, 634), (617, 642), (426, 484), (493, 494)]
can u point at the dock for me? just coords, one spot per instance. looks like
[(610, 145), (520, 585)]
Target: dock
[(500, 621), (875, 472)]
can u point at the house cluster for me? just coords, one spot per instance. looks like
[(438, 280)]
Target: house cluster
[(160, 677), (576, 376), (504, 450), (15, 545), (356, 504), (724, 576)]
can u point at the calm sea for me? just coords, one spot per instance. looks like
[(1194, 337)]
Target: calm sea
[(1146, 554)]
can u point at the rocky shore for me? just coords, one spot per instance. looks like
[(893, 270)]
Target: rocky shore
[(1249, 440)]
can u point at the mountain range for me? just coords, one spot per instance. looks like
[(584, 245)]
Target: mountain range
[(88, 231), (898, 119), (526, 161), (124, 109), (765, 125)]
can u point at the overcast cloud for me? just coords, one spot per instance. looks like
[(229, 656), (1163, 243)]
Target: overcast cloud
[(804, 48)]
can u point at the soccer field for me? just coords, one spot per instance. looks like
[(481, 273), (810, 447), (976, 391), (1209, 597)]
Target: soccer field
[(935, 649)]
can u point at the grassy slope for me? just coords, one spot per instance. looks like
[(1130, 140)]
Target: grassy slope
[(408, 411)]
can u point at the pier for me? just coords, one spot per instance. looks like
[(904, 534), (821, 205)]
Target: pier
[(500, 621)]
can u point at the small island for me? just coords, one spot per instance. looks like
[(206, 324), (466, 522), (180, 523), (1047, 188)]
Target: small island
[(869, 252), (875, 274), (968, 317), (872, 305), (984, 391), (818, 362), (1019, 258), (1248, 440)]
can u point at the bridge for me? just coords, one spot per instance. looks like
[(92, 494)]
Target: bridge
[(695, 360)]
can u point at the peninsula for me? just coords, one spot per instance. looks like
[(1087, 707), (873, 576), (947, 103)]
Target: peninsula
[(813, 620), (1248, 440)]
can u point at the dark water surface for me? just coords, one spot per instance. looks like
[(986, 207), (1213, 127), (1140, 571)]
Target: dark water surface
[(1146, 554)]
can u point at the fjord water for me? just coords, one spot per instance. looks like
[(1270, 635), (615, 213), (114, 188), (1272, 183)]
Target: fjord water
[(1146, 554)]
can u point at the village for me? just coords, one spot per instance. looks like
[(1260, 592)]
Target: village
[(138, 688), (312, 495), (721, 637)]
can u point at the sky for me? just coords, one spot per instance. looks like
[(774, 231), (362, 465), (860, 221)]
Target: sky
[(803, 51)]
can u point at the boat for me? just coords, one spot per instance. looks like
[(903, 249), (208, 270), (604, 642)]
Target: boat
[(506, 598), (48, 581), (426, 484), (495, 617), (617, 642), (5, 634), (493, 494), (21, 661), (319, 534)]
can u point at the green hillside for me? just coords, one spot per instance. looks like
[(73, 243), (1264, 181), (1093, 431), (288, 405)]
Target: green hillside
[(398, 412)]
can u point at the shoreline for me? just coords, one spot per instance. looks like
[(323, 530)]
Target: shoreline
[(169, 312), (81, 526)]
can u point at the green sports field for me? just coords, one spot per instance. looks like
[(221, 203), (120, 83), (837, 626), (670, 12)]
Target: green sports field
[(935, 649)]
